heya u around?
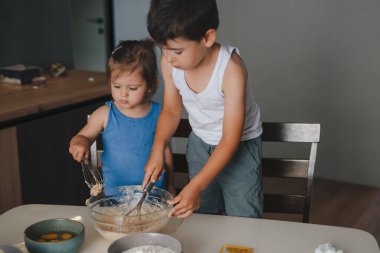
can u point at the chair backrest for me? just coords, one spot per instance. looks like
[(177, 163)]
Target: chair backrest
[(290, 168), (179, 159), (279, 168), (96, 150)]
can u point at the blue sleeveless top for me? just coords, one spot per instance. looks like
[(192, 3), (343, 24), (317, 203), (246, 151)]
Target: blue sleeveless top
[(127, 143)]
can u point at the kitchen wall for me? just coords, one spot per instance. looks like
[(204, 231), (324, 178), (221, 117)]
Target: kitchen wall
[(316, 61), (35, 32), (130, 23), (309, 61)]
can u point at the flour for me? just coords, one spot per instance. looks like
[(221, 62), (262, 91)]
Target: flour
[(149, 249), (96, 189), (327, 248)]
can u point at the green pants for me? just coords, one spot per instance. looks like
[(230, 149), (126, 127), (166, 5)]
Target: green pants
[(237, 189)]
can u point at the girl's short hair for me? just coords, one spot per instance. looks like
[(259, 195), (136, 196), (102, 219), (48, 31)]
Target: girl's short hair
[(131, 55), (190, 19)]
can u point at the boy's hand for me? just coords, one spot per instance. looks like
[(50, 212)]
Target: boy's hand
[(153, 168), (79, 148), (186, 202)]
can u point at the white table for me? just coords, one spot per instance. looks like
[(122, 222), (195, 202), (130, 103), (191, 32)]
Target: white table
[(204, 233)]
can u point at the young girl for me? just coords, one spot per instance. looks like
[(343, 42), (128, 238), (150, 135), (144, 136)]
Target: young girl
[(128, 122)]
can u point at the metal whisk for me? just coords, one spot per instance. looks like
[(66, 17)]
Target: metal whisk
[(92, 177), (135, 211)]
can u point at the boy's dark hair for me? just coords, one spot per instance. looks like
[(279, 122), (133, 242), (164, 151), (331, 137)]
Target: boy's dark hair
[(131, 55), (190, 19)]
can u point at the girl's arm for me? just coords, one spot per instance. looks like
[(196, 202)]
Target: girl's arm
[(80, 143), (169, 169), (234, 89), (167, 124)]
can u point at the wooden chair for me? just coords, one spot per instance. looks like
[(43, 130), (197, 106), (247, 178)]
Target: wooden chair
[(96, 150), (179, 159), (274, 167), (290, 170)]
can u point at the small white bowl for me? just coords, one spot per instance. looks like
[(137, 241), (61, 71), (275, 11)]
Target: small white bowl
[(145, 239)]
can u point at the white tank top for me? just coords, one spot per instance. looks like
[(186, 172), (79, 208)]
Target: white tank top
[(206, 108)]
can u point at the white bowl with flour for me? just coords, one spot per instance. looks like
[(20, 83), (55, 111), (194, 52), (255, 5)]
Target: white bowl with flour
[(146, 243)]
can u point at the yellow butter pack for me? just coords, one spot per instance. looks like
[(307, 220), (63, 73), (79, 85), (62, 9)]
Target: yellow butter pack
[(236, 249)]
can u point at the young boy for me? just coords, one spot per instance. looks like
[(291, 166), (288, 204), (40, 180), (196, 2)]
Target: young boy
[(224, 148)]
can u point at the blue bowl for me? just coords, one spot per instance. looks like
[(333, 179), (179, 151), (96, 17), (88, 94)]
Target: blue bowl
[(58, 227)]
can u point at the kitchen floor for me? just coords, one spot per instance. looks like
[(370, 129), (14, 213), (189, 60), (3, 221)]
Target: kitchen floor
[(343, 204), (346, 205)]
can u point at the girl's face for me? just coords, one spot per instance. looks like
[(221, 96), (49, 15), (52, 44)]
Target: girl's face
[(130, 92), (184, 54)]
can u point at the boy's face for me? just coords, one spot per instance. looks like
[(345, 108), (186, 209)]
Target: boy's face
[(184, 54), (129, 91)]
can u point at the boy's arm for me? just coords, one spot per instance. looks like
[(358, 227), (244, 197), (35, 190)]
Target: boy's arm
[(167, 124), (234, 89), (80, 143), (169, 169)]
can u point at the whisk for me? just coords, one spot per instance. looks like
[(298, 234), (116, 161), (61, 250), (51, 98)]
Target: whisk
[(92, 177), (135, 211)]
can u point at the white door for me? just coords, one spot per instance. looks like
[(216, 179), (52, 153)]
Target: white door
[(90, 34)]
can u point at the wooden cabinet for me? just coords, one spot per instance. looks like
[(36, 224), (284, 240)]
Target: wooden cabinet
[(10, 191), (48, 173)]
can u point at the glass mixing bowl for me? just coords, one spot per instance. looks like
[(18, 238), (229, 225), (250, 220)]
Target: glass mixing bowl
[(108, 214)]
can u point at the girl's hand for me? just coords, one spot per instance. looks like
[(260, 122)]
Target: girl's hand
[(79, 148), (186, 202)]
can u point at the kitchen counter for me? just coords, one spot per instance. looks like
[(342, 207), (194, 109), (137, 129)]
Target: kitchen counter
[(19, 103)]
